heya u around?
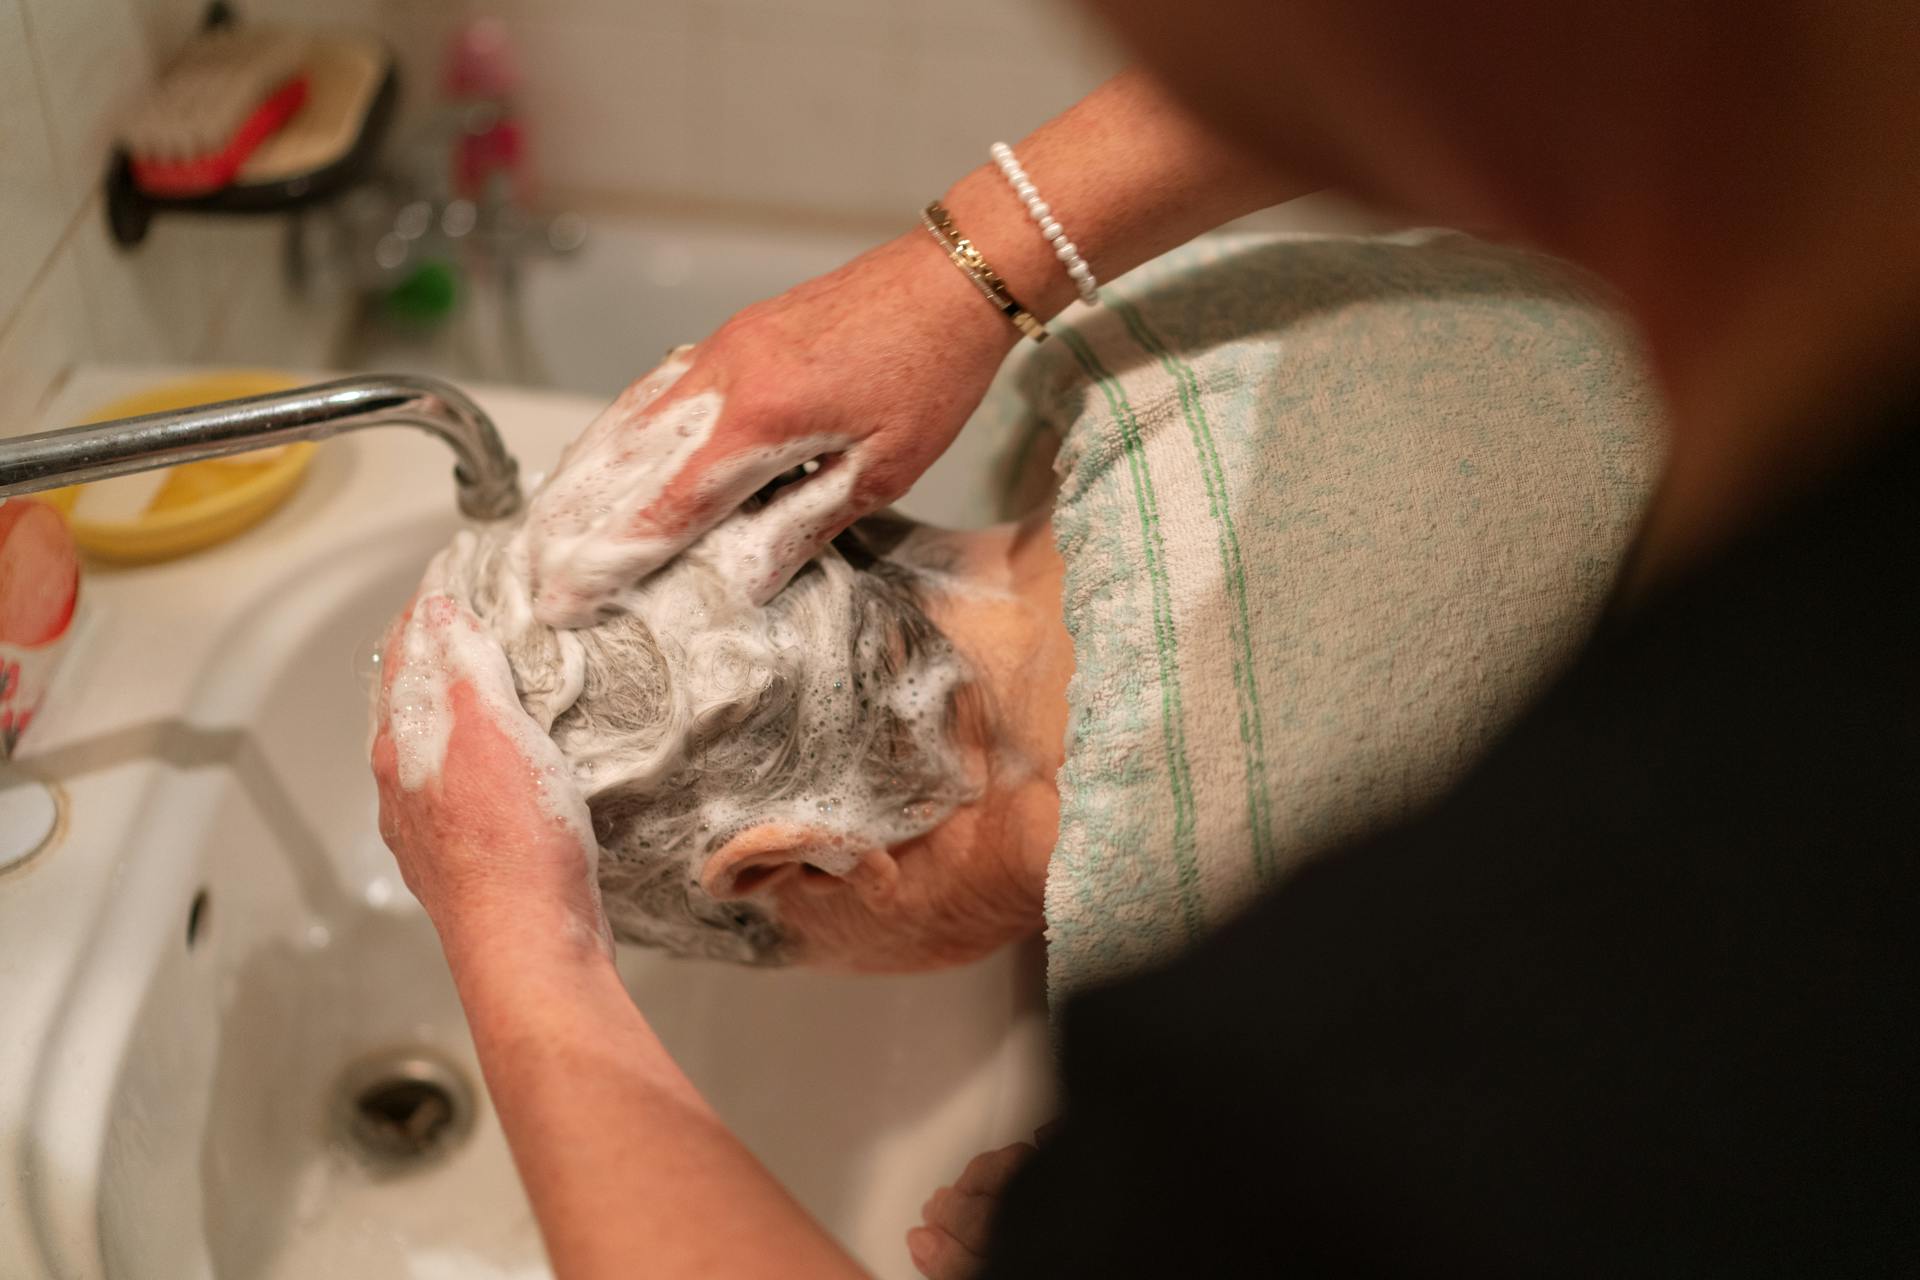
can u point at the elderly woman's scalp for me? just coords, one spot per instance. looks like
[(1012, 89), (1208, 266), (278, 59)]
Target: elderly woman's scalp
[(690, 715)]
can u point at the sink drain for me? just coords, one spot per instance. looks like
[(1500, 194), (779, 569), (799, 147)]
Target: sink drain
[(404, 1109)]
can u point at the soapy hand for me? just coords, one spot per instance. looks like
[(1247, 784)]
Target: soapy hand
[(475, 801), (869, 371), (959, 1219)]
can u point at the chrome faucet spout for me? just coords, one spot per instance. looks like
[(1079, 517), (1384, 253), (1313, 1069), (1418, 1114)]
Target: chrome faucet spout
[(485, 474)]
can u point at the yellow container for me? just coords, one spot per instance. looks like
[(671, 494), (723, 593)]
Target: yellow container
[(201, 503)]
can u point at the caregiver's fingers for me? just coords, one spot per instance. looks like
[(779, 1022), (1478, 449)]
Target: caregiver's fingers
[(938, 1256), (386, 764), (591, 509), (988, 1172), (452, 693), (386, 657), (471, 654), (483, 696), (658, 468), (434, 582), (959, 1219), (497, 750), (964, 1215), (441, 638), (766, 552), (629, 430), (762, 549)]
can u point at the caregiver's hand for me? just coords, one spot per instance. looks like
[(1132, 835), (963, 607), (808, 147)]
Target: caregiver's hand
[(629, 1171), (957, 1221), (870, 370), (475, 801)]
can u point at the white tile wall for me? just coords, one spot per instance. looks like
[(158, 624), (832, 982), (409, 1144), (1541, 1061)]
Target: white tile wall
[(798, 105), (611, 106), (155, 304), (93, 65), (32, 210), (198, 290), (47, 333), (856, 108), (850, 108)]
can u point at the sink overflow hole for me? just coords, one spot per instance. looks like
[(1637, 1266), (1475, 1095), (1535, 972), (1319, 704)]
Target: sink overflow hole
[(403, 1109), (197, 917)]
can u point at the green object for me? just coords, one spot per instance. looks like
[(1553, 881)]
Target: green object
[(427, 297)]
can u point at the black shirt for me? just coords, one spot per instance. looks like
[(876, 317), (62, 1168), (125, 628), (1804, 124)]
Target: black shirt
[(1641, 996)]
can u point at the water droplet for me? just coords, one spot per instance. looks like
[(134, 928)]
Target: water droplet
[(366, 662)]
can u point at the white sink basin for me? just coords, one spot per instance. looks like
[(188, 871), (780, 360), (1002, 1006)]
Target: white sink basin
[(173, 1100)]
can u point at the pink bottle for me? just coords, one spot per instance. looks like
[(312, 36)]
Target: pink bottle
[(482, 71), (39, 584)]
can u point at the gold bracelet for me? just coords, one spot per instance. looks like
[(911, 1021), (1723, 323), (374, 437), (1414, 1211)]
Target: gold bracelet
[(962, 254)]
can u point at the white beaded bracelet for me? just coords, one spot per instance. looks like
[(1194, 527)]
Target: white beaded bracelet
[(1042, 214)]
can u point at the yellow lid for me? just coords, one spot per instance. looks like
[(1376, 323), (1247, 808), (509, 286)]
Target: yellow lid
[(201, 503)]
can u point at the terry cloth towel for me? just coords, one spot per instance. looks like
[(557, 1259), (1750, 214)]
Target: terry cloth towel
[(1331, 510)]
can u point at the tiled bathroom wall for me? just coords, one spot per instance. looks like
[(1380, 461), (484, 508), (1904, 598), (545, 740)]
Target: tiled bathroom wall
[(198, 289), (854, 109)]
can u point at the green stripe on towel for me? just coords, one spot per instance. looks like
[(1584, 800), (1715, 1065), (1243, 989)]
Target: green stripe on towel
[(1166, 641), (1233, 572)]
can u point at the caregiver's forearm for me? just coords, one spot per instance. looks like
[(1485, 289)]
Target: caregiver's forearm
[(1129, 174), (630, 1172), (870, 369)]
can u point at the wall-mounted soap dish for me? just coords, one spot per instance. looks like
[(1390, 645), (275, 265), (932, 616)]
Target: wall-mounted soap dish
[(329, 144)]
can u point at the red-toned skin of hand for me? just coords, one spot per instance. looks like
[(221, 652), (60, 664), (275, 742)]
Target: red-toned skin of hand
[(622, 1159), (890, 354), (958, 1219), (479, 831)]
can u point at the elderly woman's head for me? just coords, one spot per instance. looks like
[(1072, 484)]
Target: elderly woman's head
[(829, 778)]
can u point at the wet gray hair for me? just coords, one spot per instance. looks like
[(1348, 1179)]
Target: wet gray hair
[(689, 715)]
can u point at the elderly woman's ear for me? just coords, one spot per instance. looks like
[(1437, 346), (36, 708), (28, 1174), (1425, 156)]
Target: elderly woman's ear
[(794, 856)]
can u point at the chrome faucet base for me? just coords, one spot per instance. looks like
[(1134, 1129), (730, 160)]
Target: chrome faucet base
[(485, 474)]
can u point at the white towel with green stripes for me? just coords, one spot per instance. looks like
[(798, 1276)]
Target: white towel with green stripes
[(1331, 510)]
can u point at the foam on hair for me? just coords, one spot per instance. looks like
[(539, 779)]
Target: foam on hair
[(690, 714)]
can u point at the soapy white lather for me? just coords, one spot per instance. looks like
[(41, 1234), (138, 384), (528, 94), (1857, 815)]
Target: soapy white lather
[(584, 542), (690, 714), (441, 645), (762, 549), (691, 703), (419, 715)]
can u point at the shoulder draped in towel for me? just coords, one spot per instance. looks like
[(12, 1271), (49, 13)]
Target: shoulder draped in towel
[(1331, 511)]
